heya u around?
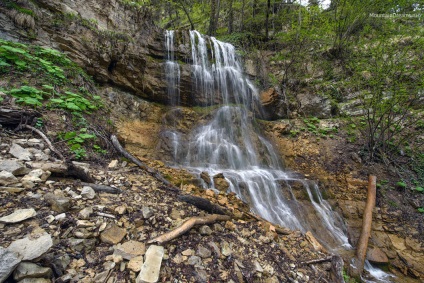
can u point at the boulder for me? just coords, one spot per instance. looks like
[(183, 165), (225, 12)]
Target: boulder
[(58, 203), (273, 104), (314, 105), (130, 249), (220, 183)]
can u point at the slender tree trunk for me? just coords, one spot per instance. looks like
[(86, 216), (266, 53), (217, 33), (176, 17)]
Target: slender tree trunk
[(268, 7), (242, 15), (187, 14), (357, 265), (212, 21), (231, 18)]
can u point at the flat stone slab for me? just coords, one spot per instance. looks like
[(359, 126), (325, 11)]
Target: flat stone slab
[(8, 261), (113, 235), (18, 216), (31, 249), (150, 269), (130, 249)]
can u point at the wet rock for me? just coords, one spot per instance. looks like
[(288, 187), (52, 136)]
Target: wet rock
[(19, 215), (205, 177), (31, 249), (58, 203), (150, 269), (203, 252), (130, 249), (20, 152), (220, 183), (113, 235), (88, 192), (376, 255), (7, 178), (31, 270), (15, 167), (9, 260)]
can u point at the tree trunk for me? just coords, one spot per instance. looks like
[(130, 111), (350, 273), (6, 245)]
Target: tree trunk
[(212, 20), (230, 18), (358, 261), (187, 14), (268, 8)]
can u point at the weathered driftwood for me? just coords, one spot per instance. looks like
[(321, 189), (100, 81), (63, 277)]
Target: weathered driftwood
[(13, 117), (203, 204), (141, 164), (102, 188), (43, 136), (357, 265), (77, 171), (187, 225)]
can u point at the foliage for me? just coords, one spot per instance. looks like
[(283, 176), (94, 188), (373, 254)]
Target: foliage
[(390, 78), (76, 140)]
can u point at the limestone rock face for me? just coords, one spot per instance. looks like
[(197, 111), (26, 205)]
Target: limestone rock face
[(314, 105), (273, 104)]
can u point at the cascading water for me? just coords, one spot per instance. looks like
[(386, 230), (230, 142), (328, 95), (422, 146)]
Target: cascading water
[(231, 144), (172, 70)]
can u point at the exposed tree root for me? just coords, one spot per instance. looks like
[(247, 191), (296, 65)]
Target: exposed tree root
[(187, 225), (203, 204)]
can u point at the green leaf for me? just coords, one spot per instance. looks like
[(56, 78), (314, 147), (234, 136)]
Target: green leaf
[(70, 135), (4, 64), (87, 136), (78, 140), (57, 100), (421, 209), (72, 106), (75, 146), (419, 189)]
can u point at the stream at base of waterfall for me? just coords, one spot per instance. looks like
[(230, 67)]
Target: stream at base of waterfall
[(231, 144)]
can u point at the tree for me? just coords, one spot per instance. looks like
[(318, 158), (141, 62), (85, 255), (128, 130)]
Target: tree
[(213, 18)]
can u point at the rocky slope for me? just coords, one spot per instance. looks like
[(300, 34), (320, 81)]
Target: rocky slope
[(55, 228)]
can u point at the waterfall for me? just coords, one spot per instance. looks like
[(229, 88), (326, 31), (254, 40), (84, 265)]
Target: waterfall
[(172, 70), (231, 144)]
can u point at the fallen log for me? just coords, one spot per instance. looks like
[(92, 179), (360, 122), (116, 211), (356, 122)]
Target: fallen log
[(102, 188), (357, 265), (154, 173), (11, 117), (187, 225), (320, 260), (203, 204)]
